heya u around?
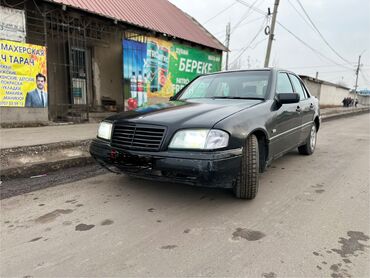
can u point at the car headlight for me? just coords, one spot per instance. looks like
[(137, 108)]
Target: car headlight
[(105, 130), (203, 139)]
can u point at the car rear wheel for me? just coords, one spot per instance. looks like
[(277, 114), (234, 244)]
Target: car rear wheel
[(309, 147), (246, 183)]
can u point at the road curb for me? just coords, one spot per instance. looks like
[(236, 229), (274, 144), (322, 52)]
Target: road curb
[(20, 162), (42, 169), (43, 147), (344, 114)]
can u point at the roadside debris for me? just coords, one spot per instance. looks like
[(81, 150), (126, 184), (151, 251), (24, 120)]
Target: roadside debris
[(38, 176)]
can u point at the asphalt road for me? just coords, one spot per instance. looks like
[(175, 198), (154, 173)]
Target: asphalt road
[(311, 218)]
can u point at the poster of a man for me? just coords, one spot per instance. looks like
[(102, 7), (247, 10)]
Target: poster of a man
[(38, 98)]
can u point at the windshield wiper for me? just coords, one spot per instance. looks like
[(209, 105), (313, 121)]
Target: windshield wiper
[(226, 97)]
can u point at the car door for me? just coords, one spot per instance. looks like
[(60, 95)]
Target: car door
[(307, 105), (286, 125)]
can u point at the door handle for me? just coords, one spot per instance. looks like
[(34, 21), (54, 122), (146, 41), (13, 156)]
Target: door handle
[(299, 109), (312, 107)]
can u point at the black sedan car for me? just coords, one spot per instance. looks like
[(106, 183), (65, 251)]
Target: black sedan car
[(221, 130)]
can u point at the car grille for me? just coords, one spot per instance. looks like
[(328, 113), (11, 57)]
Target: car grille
[(138, 137)]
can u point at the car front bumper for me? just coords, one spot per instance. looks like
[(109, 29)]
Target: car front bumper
[(212, 169)]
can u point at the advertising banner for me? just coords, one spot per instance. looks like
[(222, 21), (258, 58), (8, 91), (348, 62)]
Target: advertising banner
[(12, 24), (22, 75), (155, 69)]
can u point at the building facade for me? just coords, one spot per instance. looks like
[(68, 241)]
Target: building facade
[(329, 94), (96, 59)]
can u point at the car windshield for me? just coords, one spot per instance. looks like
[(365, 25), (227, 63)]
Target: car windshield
[(230, 85)]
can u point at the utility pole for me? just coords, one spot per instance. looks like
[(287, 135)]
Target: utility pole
[(227, 45), (357, 71), (271, 36)]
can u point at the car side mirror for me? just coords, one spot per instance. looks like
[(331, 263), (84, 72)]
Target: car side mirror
[(287, 98), (172, 98)]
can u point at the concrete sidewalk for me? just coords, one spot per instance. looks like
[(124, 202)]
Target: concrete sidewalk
[(30, 136), (38, 150)]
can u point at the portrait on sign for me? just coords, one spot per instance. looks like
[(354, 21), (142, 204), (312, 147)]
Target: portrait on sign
[(23, 75)]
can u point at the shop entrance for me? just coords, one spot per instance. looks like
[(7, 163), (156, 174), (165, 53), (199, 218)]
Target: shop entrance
[(79, 75)]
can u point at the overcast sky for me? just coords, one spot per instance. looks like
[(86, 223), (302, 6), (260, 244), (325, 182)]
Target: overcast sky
[(344, 24)]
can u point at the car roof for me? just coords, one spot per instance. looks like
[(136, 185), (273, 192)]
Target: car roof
[(272, 69)]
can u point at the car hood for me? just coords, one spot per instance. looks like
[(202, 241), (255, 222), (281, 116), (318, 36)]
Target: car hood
[(187, 113)]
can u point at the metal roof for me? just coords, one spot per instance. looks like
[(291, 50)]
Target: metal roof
[(319, 81), (158, 15)]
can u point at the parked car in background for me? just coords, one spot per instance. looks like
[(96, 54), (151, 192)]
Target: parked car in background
[(221, 130)]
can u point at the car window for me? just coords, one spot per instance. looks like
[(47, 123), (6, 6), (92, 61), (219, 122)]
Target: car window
[(199, 89), (298, 86), (306, 90), (283, 84), (247, 84), (222, 90)]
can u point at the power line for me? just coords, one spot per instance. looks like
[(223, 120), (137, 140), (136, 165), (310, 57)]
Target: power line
[(364, 76), (310, 47), (246, 23), (317, 30), (222, 11), (300, 15), (318, 66), (253, 8), (251, 47), (335, 71), (244, 16), (296, 37), (250, 43), (258, 43)]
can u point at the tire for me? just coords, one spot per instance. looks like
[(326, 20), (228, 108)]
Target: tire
[(309, 147), (246, 183)]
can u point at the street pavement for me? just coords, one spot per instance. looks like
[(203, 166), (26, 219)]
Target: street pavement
[(311, 218)]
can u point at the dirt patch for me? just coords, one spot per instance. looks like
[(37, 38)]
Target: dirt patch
[(83, 227), (352, 245), (249, 235), (107, 222), (269, 275), (51, 216), (35, 239), (347, 261), (169, 247)]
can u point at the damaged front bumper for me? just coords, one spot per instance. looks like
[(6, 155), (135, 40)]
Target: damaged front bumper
[(212, 169)]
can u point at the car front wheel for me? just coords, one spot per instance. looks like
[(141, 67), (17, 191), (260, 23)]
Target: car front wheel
[(309, 147), (246, 183)]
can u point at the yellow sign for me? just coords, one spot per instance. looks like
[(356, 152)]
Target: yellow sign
[(22, 75)]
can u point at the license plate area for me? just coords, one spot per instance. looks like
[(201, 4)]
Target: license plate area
[(129, 160)]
